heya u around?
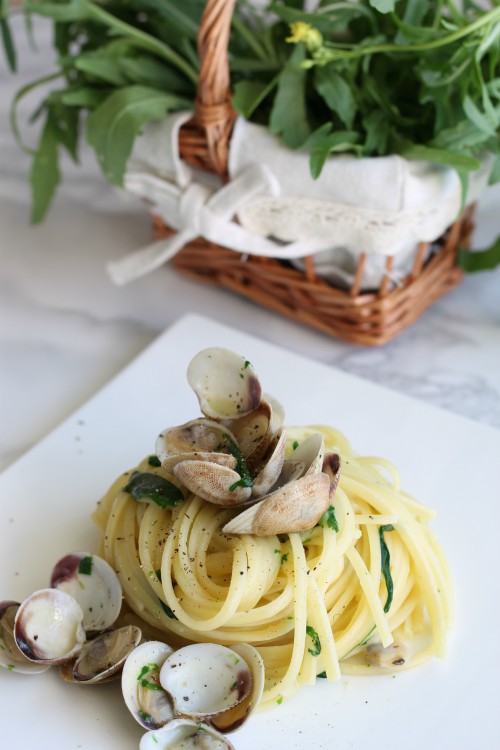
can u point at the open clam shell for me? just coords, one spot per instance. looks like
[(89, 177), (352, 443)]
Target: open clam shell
[(185, 734), (196, 436), (297, 506), (311, 452), (268, 475), (205, 679), (101, 659), (48, 627), (225, 383), (253, 433), (94, 584), (233, 718), (11, 657), (144, 697)]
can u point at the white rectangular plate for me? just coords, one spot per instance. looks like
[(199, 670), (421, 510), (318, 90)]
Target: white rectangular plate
[(449, 463)]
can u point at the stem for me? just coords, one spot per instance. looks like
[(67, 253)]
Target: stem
[(249, 37), (491, 17), (141, 38), (20, 95)]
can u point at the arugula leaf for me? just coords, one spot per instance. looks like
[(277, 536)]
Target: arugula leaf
[(289, 113), (480, 260), (336, 92), (8, 42), (385, 563), (45, 175), (113, 126), (147, 487)]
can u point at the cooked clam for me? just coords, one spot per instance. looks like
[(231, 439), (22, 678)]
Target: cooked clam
[(94, 584), (269, 473), (184, 734), (48, 627), (205, 679), (253, 433), (387, 657), (10, 656), (297, 506), (215, 483), (196, 436), (102, 658), (233, 718), (144, 697), (225, 383), (311, 453)]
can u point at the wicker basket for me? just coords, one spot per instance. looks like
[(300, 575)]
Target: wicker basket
[(362, 317)]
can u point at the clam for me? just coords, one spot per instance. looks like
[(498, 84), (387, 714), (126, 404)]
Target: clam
[(311, 453), (297, 506), (268, 474), (10, 656), (233, 718), (94, 584), (184, 734), (331, 466), (101, 658), (394, 655), (215, 483), (225, 383), (196, 436), (144, 697), (48, 627), (253, 433), (205, 679)]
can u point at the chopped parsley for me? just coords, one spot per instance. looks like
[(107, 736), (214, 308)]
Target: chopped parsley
[(85, 567), (154, 461), (279, 700), (145, 487), (241, 465), (329, 518), (295, 445), (141, 678), (322, 675), (386, 563), (169, 612), (316, 650)]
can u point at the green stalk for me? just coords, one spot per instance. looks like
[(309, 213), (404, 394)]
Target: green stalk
[(249, 37), (491, 17), (24, 91)]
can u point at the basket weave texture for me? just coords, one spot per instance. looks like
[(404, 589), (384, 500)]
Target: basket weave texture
[(362, 317)]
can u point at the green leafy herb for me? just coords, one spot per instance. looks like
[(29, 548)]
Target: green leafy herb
[(480, 260), (141, 678), (241, 465), (386, 562), (154, 461), (295, 445), (85, 566), (322, 675), (316, 649), (167, 610), (329, 519), (147, 487), (368, 78), (279, 700)]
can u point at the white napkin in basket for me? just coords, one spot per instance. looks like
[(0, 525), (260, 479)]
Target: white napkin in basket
[(271, 206)]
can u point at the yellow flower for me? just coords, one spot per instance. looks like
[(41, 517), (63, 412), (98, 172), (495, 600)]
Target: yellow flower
[(303, 32)]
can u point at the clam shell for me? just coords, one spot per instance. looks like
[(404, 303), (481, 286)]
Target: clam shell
[(297, 506), (11, 657), (48, 627), (102, 658), (205, 679), (225, 383), (273, 465), (212, 482), (311, 452), (93, 583), (185, 734), (196, 436), (144, 697), (234, 717)]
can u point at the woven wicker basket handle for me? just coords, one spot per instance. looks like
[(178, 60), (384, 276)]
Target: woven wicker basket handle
[(213, 100)]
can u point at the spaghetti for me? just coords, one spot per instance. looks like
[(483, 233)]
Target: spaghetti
[(366, 589)]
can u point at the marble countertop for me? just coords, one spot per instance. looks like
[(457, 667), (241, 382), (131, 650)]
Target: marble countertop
[(65, 330)]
